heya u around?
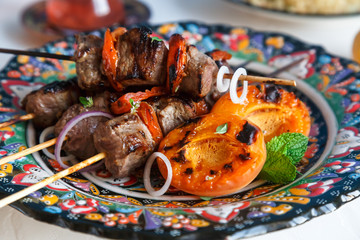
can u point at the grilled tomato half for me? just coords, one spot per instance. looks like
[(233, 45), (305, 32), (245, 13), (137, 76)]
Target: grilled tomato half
[(214, 155), (272, 109)]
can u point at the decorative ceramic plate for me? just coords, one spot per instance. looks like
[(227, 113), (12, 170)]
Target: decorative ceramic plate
[(96, 203), (286, 15)]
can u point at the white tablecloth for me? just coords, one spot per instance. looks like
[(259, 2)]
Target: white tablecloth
[(336, 35)]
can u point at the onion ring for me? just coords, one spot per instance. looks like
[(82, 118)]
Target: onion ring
[(147, 171), (68, 126), (233, 86), (221, 83)]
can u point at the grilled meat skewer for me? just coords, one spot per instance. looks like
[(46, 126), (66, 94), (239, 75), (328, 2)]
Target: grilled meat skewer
[(127, 140), (49, 102)]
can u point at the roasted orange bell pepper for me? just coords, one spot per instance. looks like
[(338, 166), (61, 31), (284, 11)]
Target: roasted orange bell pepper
[(123, 105), (219, 55), (149, 118), (176, 63), (110, 59)]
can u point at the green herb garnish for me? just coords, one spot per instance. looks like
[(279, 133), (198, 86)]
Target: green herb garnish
[(134, 105), (206, 198), (283, 153), (154, 38), (86, 101), (222, 128)]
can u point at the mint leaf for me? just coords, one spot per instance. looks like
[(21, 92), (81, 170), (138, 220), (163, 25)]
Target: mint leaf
[(206, 198), (278, 168), (222, 128), (86, 101), (283, 152), (156, 39), (292, 145)]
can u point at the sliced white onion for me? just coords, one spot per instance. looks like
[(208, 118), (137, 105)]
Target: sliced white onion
[(147, 171), (233, 86), (221, 83), (68, 126), (46, 132)]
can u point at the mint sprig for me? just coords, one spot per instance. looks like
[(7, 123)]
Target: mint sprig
[(134, 105), (86, 101), (283, 153), (206, 198)]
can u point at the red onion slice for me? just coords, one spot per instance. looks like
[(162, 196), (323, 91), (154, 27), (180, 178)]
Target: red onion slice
[(46, 132), (147, 171), (69, 125)]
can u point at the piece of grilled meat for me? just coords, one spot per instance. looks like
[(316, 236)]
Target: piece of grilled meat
[(142, 60), (200, 74), (49, 102), (127, 141), (88, 55), (173, 111), (80, 141)]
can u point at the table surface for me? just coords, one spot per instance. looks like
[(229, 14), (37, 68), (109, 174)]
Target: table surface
[(335, 35)]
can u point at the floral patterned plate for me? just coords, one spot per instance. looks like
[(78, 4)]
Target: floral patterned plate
[(96, 203)]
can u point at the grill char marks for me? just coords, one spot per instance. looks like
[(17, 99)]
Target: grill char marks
[(272, 94), (142, 61), (248, 134)]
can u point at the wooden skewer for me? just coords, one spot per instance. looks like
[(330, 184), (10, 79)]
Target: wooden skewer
[(265, 80), (28, 151), (37, 54), (17, 119), (14, 197)]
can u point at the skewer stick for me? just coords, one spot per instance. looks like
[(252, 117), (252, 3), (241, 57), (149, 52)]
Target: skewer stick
[(37, 54), (287, 67), (14, 197), (17, 119), (28, 151), (264, 80)]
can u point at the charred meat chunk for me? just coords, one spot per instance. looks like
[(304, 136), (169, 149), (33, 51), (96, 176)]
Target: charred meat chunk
[(142, 61), (200, 74), (173, 111), (103, 100), (88, 57), (127, 143), (80, 138), (49, 102)]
